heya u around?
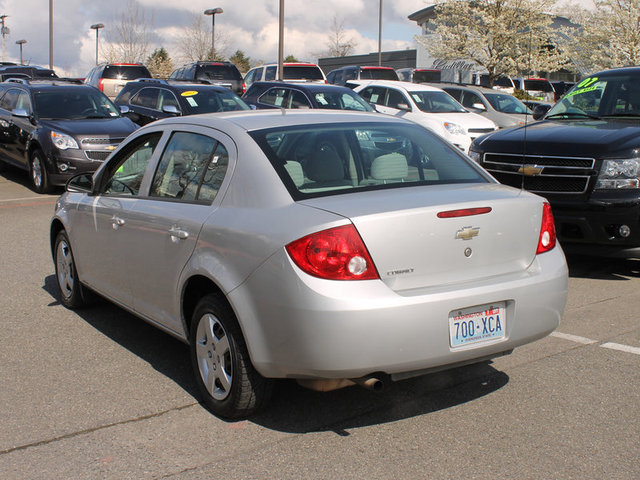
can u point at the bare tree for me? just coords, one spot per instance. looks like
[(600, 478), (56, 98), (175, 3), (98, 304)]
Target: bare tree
[(129, 40), (195, 43), (339, 45)]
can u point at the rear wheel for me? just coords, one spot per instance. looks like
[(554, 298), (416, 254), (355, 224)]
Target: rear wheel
[(38, 171), (230, 386), (72, 294)]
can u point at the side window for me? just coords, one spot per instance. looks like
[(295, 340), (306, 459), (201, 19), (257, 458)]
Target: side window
[(457, 94), (167, 98), (24, 102), (127, 170), (10, 100), (469, 99), (270, 74), (351, 74), (373, 95), (274, 96), (297, 99), (147, 98), (250, 76), (189, 168), (395, 98)]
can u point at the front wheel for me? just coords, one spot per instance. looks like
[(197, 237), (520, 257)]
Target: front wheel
[(72, 294), (229, 385), (38, 171)]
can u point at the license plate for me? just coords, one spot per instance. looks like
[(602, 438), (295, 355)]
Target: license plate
[(474, 325)]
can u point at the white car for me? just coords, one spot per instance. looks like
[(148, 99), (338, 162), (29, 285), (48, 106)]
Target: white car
[(428, 106)]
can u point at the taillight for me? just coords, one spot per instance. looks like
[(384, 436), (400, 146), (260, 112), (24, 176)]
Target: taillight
[(101, 84), (244, 88), (334, 254), (547, 240)]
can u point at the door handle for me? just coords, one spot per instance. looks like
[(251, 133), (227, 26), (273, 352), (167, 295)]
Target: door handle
[(177, 233), (117, 222)]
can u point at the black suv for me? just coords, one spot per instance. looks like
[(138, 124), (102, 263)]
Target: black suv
[(584, 157), (30, 71), (147, 99), (55, 129), (225, 74), (340, 76)]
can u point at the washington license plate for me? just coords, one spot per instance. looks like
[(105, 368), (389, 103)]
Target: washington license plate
[(479, 324)]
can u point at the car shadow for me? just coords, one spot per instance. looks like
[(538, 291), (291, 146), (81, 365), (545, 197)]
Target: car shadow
[(21, 177), (602, 268), (295, 409)]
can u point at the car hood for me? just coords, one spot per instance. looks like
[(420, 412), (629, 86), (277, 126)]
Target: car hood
[(572, 138), (508, 120), (466, 119), (120, 126)]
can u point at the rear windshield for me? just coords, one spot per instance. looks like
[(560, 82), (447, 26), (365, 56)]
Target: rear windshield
[(302, 72), (321, 160), (538, 85), (426, 76), (218, 72), (202, 100), (126, 72), (378, 74)]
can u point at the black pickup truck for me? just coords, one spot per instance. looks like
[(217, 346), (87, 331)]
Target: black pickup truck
[(584, 157)]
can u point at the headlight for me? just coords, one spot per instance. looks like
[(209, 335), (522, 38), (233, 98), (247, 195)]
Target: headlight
[(616, 174), (475, 156), (454, 128), (63, 141)]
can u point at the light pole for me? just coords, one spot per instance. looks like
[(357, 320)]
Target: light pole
[(97, 27), (281, 41), (51, 34), (380, 34), (4, 30), (21, 43), (213, 12)]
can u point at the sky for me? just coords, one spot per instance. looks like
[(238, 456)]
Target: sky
[(247, 25)]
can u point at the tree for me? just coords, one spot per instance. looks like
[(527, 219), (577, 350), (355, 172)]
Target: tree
[(290, 59), (195, 43), (159, 63), (338, 44), (609, 37), (241, 61), (129, 40), (507, 37)]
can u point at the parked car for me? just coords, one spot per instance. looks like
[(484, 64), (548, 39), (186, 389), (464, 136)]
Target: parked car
[(340, 76), (224, 74), (329, 247), (429, 106), (538, 88), (501, 108), (110, 78), (148, 99), (292, 72), (55, 129), (304, 95), (419, 75), (503, 83), (26, 71), (583, 157)]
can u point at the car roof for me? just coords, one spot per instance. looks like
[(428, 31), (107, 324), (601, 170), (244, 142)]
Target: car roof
[(408, 86), (176, 84), (311, 87), (45, 83), (475, 88)]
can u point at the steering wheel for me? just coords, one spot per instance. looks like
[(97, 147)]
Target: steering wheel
[(124, 185)]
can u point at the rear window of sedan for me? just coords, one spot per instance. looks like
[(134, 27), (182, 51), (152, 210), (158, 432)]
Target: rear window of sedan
[(320, 160)]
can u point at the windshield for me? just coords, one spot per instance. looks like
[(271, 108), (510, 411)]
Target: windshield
[(76, 104), (207, 101), (611, 95), (219, 72), (436, 102), (506, 103), (341, 101), (326, 159)]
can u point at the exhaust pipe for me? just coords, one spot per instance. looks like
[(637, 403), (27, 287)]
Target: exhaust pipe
[(370, 383), (330, 384)]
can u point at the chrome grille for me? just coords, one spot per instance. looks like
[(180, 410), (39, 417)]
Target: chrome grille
[(481, 130), (97, 154), (540, 173), (101, 141)]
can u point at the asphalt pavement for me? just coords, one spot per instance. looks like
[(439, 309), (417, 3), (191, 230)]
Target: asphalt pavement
[(99, 393)]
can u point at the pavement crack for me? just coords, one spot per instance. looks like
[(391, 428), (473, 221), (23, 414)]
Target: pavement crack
[(94, 429)]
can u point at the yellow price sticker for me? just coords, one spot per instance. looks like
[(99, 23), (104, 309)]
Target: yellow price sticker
[(189, 93)]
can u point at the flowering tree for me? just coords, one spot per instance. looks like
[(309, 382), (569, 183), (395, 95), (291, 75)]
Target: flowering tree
[(507, 37)]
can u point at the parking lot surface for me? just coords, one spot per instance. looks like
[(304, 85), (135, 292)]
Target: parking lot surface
[(99, 393)]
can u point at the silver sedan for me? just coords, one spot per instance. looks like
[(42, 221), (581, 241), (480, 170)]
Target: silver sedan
[(333, 248)]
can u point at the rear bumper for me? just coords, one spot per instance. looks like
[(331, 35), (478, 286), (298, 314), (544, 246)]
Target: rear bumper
[(297, 326)]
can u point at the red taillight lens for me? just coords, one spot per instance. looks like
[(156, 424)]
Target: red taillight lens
[(244, 88), (101, 84), (547, 240), (334, 254)]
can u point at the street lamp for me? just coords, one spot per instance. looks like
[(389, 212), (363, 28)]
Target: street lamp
[(97, 27), (21, 43), (213, 12), (4, 30), (380, 34)]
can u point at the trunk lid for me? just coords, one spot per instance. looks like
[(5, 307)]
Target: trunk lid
[(412, 247)]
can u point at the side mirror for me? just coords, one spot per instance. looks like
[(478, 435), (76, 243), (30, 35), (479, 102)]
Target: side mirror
[(540, 111), (20, 112), (81, 183), (404, 106), (124, 109), (479, 106), (171, 110), (252, 106)]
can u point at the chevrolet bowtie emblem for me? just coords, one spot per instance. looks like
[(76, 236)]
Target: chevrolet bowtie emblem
[(467, 233), (530, 170), (110, 147)]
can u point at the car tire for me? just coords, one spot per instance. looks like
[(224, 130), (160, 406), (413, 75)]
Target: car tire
[(72, 294), (230, 386), (38, 172)]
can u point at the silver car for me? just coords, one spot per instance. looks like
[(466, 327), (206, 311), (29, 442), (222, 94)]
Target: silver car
[(334, 248)]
